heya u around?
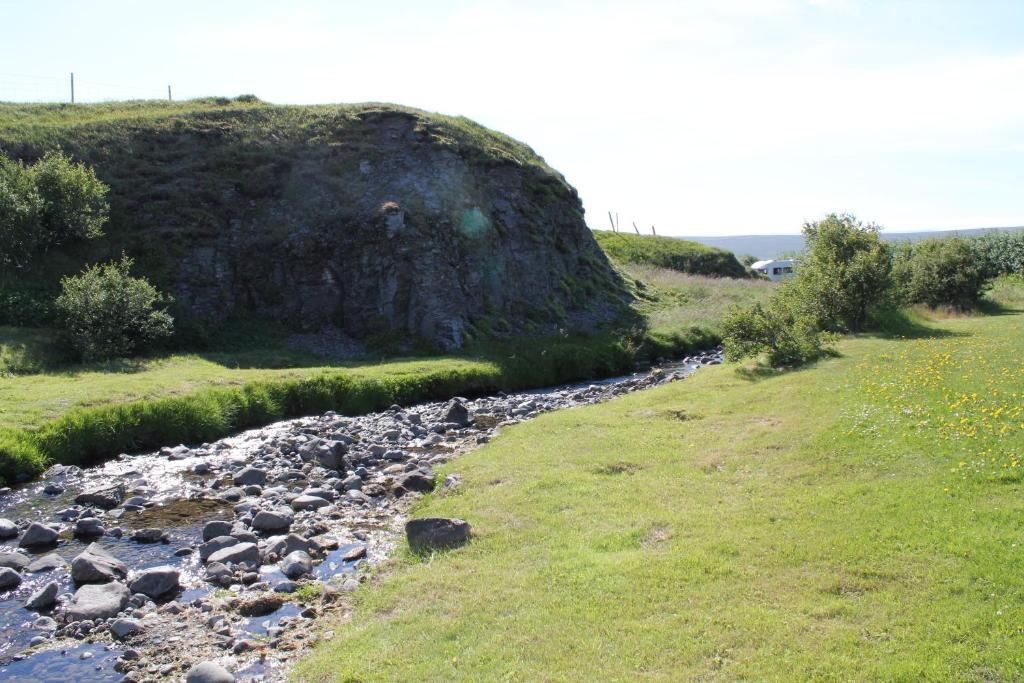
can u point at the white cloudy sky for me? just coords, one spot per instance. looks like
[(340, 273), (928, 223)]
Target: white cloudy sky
[(724, 117)]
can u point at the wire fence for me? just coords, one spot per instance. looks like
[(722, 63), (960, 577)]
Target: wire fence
[(15, 87)]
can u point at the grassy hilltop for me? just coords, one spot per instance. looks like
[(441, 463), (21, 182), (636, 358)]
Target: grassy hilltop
[(670, 252)]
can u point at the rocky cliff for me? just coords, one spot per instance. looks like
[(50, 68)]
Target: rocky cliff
[(372, 218)]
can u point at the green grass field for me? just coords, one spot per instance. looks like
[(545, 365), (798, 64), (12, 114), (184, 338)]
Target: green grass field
[(669, 252), (857, 519)]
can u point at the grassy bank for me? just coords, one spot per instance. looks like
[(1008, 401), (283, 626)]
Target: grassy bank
[(857, 518), (669, 252)]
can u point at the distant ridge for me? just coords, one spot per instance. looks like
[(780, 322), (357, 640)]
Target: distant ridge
[(772, 246)]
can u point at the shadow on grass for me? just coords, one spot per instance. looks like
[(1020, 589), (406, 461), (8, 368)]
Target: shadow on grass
[(906, 324), (756, 372)]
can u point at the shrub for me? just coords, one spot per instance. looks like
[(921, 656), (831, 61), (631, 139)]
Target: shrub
[(845, 272), (49, 203), (941, 272), (773, 332), (106, 313), (1002, 253)]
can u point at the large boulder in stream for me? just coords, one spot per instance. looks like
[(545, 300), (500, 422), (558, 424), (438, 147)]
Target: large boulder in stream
[(96, 565), (155, 582), (98, 601)]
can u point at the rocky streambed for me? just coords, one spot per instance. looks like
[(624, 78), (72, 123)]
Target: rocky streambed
[(215, 561)]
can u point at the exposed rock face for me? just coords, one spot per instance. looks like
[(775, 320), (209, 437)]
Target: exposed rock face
[(373, 218)]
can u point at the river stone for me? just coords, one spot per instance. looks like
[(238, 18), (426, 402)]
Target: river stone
[(208, 672), (215, 544), (150, 535), (272, 520), (309, 503), (435, 533), (414, 481), (155, 582), (46, 563), (237, 554), (98, 601), (38, 535), (44, 597), (250, 475), (122, 628), (9, 578), (8, 529), (14, 560), (107, 499), (96, 565), (296, 564), (458, 413), (89, 526), (216, 528)]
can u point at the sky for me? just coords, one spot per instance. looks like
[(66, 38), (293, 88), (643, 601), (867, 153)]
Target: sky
[(724, 117)]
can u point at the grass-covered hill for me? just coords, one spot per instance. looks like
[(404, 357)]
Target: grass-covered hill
[(376, 218), (669, 252)]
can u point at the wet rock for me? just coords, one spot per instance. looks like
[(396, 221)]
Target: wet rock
[(46, 563), (8, 529), (150, 535), (296, 564), (217, 571), (232, 495), (107, 499), (98, 601), (14, 560), (354, 554), (155, 582), (436, 533), (9, 578), (122, 628), (250, 475), (87, 527), (96, 565), (209, 672), (53, 489), (38, 535), (44, 624), (44, 597), (215, 544), (242, 553), (272, 520)]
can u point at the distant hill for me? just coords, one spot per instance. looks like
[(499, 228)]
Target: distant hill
[(669, 252), (772, 246)]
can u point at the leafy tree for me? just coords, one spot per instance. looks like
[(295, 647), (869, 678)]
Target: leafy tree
[(20, 209), (52, 202), (107, 313), (845, 272), (941, 272)]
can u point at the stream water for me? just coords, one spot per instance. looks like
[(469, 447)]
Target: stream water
[(179, 490)]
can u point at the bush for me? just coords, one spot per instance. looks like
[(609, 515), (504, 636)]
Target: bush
[(845, 272), (50, 203), (774, 333), (107, 313), (941, 272), (1002, 253)]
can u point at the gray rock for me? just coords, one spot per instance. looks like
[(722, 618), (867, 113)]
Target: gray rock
[(122, 628), (37, 536), (9, 578), (414, 481), (150, 535), (155, 582), (436, 533), (53, 489), (46, 563), (44, 597), (98, 601), (215, 544), (242, 553), (457, 412), (296, 564), (96, 565), (8, 529), (209, 672), (108, 499), (309, 503), (272, 520), (14, 561), (89, 527), (216, 528), (250, 475)]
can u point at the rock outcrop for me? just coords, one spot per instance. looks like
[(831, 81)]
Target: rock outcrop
[(383, 221)]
